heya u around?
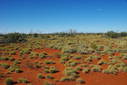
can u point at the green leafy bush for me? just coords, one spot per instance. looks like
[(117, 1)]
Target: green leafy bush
[(67, 78), (23, 80), (14, 37), (112, 34), (49, 77), (80, 80), (42, 55), (5, 65), (9, 81), (51, 69), (96, 68), (40, 76), (86, 70)]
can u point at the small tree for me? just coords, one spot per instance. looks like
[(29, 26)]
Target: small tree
[(14, 37), (113, 34)]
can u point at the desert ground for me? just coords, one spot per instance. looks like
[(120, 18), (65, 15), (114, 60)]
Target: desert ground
[(63, 59)]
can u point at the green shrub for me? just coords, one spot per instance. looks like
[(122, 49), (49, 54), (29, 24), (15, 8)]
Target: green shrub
[(72, 63), (86, 70), (15, 68), (110, 70), (37, 65), (88, 59), (81, 81), (51, 69), (67, 78), (14, 37), (114, 61), (125, 57), (78, 68), (63, 60), (25, 51), (49, 77), (71, 73), (77, 57), (4, 58), (16, 62), (18, 70), (112, 34), (95, 57), (125, 69), (40, 76), (101, 62), (9, 81), (70, 50), (42, 55), (5, 65), (23, 80), (96, 68), (12, 53), (33, 54), (1, 75)]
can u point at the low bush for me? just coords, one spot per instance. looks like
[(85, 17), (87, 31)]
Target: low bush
[(16, 62), (43, 55), (12, 53), (37, 65), (51, 69), (5, 65), (64, 60), (15, 68), (125, 57), (23, 80), (72, 63), (49, 62), (14, 37), (71, 72), (9, 81), (40, 76), (100, 62), (125, 69), (86, 70), (77, 57), (49, 77), (110, 70), (4, 58), (88, 59), (96, 68), (18, 70), (1, 75), (80, 80), (70, 51), (67, 78), (78, 68)]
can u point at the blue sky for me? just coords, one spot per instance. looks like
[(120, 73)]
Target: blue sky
[(61, 15)]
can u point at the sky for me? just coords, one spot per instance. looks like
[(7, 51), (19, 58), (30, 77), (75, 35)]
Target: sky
[(47, 16)]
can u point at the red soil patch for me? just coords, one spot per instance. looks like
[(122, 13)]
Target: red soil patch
[(92, 78), (95, 78), (47, 50)]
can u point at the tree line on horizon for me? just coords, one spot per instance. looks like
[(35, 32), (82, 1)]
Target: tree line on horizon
[(21, 37)]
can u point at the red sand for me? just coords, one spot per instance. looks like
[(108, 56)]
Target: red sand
[(92, 78)]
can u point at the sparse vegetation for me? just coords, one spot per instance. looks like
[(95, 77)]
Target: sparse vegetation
[(23, 80), (9, 81), (63, 57)]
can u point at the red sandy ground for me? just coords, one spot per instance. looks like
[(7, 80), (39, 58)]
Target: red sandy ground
[(92, 78)]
